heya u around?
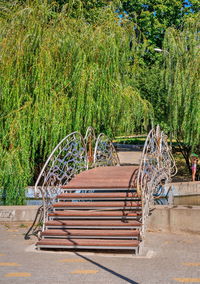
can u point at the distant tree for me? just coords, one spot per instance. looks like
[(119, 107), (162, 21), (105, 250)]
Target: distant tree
[(58, 74), (153, 17), (181, 80)]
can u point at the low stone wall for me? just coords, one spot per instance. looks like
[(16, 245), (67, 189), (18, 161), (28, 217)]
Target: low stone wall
[(174, 219), (185, 188), (17, 213)]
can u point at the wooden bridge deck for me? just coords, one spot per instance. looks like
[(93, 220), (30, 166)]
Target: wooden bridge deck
[(105, 177)]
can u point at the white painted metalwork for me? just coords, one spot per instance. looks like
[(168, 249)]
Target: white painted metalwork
[(71, 156), (66, 160), (89, 133), (156, 168), (105, 153), (90, 140)]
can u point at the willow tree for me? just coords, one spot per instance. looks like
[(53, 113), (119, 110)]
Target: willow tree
[(182, 77), (60, 73)]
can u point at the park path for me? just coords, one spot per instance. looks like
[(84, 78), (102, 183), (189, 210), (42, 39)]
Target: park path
[(174, 258)]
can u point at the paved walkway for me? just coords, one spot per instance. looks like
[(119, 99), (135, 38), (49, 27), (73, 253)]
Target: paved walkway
[(129, 157), (175, 259)]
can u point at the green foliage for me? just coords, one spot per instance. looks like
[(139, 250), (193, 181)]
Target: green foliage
[(182, 76), (68, 64), (154, 17), (60, 73)]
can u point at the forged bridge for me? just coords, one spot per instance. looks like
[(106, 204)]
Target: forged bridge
[(83, 187)]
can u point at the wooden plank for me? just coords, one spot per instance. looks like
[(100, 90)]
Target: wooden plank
[(69, 232), (89, 242), (97, 204), (97, 195), (119, 213), (99, 223)]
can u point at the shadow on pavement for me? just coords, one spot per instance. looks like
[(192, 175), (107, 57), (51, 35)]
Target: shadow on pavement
[(107, 269)]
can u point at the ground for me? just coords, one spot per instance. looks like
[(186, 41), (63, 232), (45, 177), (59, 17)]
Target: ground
[(130, 157), (168, 258)]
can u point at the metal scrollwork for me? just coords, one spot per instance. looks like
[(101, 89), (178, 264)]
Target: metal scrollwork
[(90, 140), (105, 153), (67, 159), (71, 156), (156, 168)]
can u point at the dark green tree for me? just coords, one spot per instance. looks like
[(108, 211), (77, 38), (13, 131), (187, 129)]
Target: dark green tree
[(181, 80), (153, 17)]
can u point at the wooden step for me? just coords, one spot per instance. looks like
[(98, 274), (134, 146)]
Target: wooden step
[(90, 233), (97, 189), (107, 204), (100, 185), (87, 243), (95, 214), (120, 195), (92, 224)]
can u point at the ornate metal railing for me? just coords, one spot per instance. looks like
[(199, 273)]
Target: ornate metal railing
[(67, 159), (156, 168), (105, 153), (90, 141), (71, 156)]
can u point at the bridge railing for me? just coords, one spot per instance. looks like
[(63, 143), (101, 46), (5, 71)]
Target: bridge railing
[(156, 168), (104, 152), (66, 160), (72, 155)]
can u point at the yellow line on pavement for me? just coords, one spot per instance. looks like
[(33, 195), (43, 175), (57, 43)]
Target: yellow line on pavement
[(9, 264), (84, 271), (187, 280), (2, 254), (18, 274), (71, 260), (168, 242), (191, 263)]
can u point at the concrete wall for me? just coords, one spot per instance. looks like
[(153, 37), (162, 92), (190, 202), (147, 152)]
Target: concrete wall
[(163, 218), (175, 219), (185, 188), (17, 213)]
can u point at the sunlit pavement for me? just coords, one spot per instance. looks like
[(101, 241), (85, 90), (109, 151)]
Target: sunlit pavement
[(169, 258)]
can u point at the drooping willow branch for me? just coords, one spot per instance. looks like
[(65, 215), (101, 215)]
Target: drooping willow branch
[(61, 73)]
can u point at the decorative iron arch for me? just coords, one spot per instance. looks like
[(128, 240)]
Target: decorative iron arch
[(105, 153), (66, 160), (90, 140), (157, 166)]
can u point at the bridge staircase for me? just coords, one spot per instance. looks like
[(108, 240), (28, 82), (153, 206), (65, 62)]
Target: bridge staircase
[(90, 201), (98, 209)]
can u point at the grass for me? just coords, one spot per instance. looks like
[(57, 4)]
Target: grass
[(183, 173), (130, 140)]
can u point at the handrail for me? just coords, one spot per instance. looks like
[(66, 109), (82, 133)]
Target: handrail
[(105, 153), (90, 140), (156, 167), (51, 155), (67, 159), (70, 157)]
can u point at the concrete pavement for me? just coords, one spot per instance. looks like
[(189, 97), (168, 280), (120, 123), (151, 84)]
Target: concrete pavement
[(175, 259)]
